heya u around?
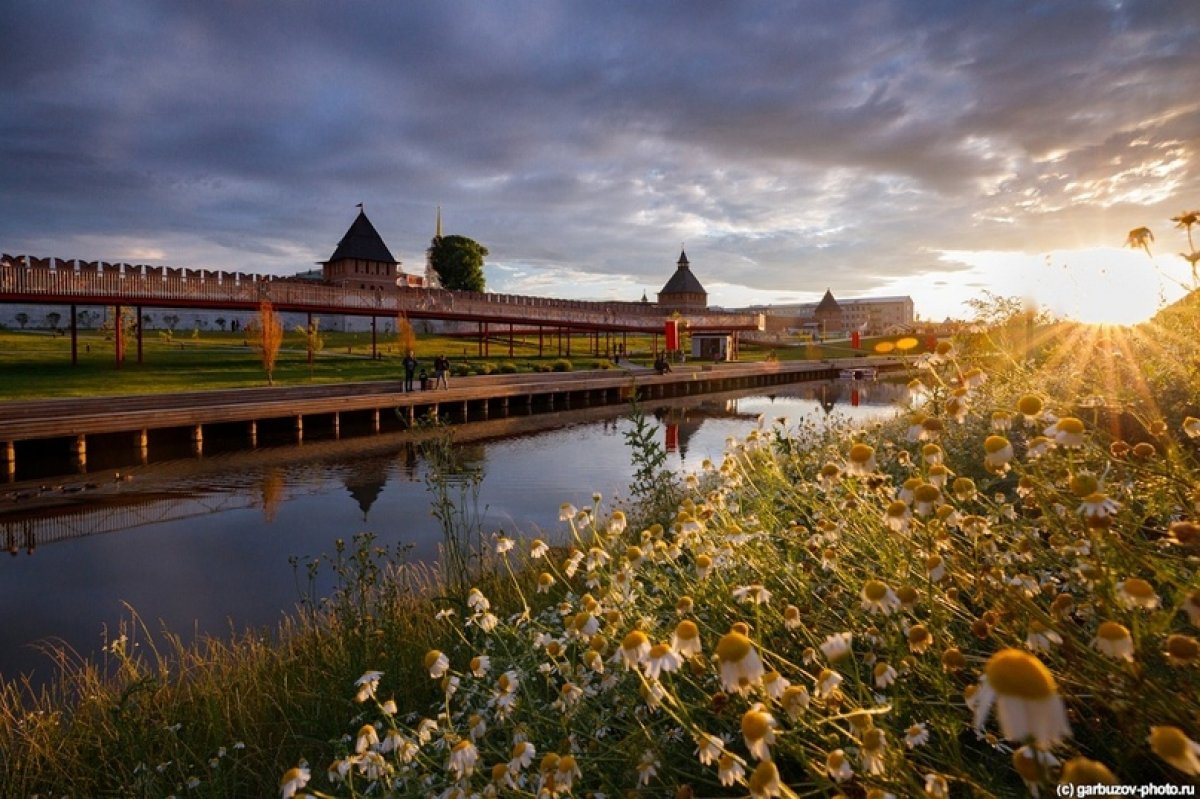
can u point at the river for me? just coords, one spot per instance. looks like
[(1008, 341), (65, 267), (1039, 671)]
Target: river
[(202, 546)]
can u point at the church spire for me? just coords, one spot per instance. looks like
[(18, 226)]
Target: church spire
[(438, 227)]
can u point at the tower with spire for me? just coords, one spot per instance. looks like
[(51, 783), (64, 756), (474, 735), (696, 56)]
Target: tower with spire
[(683, 291), (431, 275)]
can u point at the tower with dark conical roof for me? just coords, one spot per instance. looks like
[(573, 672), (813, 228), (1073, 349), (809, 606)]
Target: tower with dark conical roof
[(362, 260), (683, 291), (828, 314)]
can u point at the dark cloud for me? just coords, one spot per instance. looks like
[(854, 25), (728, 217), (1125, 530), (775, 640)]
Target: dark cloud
[(789, 146)]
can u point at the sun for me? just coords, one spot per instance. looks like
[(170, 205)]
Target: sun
[(1104, 285)]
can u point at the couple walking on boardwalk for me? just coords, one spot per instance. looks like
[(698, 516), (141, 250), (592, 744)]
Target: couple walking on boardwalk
[(441, 368)]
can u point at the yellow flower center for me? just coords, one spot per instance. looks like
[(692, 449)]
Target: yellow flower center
[(927, 492), (660, 650), (1030, 405), (1012, 672), (1071, 425), (861, 453), (764, 778), (1182, 647), (431, 657), (995, 444), (1083, 484), (756, 725), (732, 647), (635, 640), (1112, 631), (861, 720), (1138, 588), (687, 631), (873, 740), (1082, 771), (874, 590), (1169, 743)]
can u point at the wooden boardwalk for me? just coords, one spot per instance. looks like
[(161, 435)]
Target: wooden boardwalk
[(70, 422)]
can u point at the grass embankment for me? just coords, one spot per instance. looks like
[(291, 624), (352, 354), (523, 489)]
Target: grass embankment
[(37, 363), (983, 598)]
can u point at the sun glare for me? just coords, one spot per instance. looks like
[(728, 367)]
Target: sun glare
[(1102, 285)]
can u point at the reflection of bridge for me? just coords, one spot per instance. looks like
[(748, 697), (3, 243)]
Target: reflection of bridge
[(34, 514), (54, 281)]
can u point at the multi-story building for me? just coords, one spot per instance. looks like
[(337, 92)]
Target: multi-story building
[(867, 315)]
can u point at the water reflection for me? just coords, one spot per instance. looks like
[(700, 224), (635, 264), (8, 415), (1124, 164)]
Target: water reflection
[(203, 544)]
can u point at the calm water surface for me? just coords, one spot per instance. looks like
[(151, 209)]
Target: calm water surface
[(203, 545)]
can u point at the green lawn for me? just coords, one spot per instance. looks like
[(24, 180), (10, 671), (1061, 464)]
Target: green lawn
[(37, 363)]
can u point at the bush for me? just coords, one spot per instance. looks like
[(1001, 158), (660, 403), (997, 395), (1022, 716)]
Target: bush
[(486, 368), (508, 368), (561, 365)]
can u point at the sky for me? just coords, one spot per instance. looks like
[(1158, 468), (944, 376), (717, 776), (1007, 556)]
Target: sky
[(934, 148)]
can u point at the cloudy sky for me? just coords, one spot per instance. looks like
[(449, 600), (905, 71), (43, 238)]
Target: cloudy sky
[(934, 148)]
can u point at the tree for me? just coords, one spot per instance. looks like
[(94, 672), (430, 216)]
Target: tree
[(22, 319), (53, 318), (406, 337), (458, 262), (312, 341), (267, 331)]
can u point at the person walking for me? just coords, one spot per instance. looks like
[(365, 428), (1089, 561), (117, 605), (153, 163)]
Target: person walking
[(441, 365), (410, 370)]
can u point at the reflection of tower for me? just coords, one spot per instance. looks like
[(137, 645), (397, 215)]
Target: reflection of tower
[(365, 483), (272, 493), (828, 397), (679, 425)]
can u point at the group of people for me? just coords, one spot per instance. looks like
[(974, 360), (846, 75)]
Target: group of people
[(441, 371)]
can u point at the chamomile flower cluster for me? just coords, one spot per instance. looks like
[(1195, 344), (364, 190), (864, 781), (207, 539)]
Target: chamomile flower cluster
[(829, 611)]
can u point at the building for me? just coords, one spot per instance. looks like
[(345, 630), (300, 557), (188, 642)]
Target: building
[(361, 259), (683, 291), (867, 315), (828, 315)]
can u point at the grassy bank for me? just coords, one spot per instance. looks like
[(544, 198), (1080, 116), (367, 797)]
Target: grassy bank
[(37, 363), (996, 592)]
